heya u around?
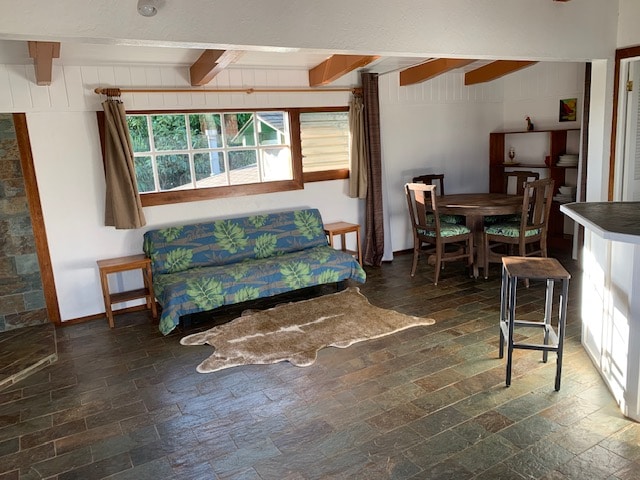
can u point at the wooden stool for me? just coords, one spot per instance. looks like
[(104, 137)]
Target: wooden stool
[(342, 228), (121, 264), (535, 268)]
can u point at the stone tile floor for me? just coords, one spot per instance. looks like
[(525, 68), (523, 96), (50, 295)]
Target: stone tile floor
[(426, 403), (24, 351)]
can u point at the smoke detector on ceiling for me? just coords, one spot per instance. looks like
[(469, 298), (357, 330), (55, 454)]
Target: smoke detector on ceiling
[(147, 8)]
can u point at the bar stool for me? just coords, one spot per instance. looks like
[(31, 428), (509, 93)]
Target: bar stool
[(534, 268)]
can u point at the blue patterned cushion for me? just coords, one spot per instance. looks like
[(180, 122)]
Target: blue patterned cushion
[(511, 229), (223, 242), (446, 230)]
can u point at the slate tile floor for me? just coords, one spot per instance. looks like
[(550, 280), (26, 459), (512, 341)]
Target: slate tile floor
[(426, 403)]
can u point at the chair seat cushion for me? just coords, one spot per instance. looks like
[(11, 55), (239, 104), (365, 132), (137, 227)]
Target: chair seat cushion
[(509, 229), (493, 219), (454, 219), (446, 230)]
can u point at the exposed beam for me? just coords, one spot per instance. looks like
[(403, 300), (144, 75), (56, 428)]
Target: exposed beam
[(336, 66), (43, 54), (211, 63), (430, 69), (494, 70)]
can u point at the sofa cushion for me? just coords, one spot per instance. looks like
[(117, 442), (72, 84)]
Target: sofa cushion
[(227, 241), (206, 288)]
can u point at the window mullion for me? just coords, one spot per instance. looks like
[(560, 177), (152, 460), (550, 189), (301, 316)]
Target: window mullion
[(152, 150), (192, 164)]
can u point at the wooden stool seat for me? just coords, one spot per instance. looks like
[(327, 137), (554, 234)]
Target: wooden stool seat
[(533, 268)]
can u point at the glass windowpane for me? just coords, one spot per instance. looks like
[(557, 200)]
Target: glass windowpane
[(243, 167), (206, 130), (169, 132), (144, 174), (272, 128), (139, 133), (210, 170), (276, 164), (173, 171), (239, 129)]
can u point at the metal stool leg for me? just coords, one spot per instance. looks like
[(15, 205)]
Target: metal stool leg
[(562, 321), (503, 311), (548, 307), (511, 318)]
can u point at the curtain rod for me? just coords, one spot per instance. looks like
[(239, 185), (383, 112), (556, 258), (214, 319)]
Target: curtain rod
[(116, 92)]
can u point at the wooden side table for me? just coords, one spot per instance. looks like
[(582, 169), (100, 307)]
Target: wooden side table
[(122, 264), (342, 228)]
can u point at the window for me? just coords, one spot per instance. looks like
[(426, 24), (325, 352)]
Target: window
[(199, 155), (188, 151), (324, 144)]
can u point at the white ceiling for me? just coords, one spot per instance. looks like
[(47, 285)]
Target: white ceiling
[(14, 52)]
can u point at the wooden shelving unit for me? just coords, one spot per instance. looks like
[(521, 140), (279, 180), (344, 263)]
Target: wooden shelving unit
[(556, 145)]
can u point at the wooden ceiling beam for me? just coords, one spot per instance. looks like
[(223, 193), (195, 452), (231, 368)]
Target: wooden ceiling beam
[(494, 70), (43, 54), (433, 68), (336, 66), (211, 63)]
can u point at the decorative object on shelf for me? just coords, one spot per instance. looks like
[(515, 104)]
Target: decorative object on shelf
[(529, 124), (512, 155), (568, 110)]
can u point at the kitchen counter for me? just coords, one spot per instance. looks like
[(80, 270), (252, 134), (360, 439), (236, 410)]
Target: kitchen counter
[(610, 298)]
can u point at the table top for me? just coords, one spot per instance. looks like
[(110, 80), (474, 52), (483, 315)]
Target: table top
[(480, 204), (619, 221)]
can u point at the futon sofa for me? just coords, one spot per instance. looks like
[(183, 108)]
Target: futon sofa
[(203, 266)]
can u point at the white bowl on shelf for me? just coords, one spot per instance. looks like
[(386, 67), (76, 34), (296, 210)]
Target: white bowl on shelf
[(566, 190)]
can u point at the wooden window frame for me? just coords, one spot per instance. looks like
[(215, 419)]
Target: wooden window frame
[(324, 175), (192, 195)]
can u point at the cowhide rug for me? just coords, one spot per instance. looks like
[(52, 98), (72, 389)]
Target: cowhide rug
[(297, 331)]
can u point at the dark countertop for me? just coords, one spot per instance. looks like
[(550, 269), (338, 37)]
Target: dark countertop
[(618, 221)]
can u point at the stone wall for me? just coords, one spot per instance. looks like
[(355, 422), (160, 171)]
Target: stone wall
[(21, 294)]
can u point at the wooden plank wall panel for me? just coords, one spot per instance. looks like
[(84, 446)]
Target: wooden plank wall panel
[(73, 87)]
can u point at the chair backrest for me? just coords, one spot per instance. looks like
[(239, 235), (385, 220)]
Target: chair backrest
[(536, 205), (429, 179), (421, 200), (521, 176)]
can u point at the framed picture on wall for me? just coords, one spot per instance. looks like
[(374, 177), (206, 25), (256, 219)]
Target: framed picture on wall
[(568, 110)]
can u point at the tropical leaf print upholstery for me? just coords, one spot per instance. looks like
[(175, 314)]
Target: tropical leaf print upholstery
[(511, 229), (204, 266), (446, 230)]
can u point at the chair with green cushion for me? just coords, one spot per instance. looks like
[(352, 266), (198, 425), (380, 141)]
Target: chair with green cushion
[(529, 234), (438, 178), (447, 241), (521, 177)]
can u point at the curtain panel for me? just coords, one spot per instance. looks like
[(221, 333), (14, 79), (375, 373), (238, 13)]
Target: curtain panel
[(374, 220), (358, 157), (123, 208)]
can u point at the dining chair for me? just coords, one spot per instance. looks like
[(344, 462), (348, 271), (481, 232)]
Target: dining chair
[(446, 241), (430, 179), (438, 180), (529, 234), (521, 176)]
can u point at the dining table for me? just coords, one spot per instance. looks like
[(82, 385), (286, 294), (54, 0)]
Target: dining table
[(476, 206)]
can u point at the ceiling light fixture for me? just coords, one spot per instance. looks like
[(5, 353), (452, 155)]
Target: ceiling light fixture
[(147, 8)]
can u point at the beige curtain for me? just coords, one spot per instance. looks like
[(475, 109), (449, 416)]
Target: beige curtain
[(358, 160), (123, 208)]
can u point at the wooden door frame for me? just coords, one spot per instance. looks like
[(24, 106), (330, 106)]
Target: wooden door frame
[(37, 219), (621, 54)]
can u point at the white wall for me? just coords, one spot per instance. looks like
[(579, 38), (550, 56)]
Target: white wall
[(628, 33), (436, 126), (66, 151)]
